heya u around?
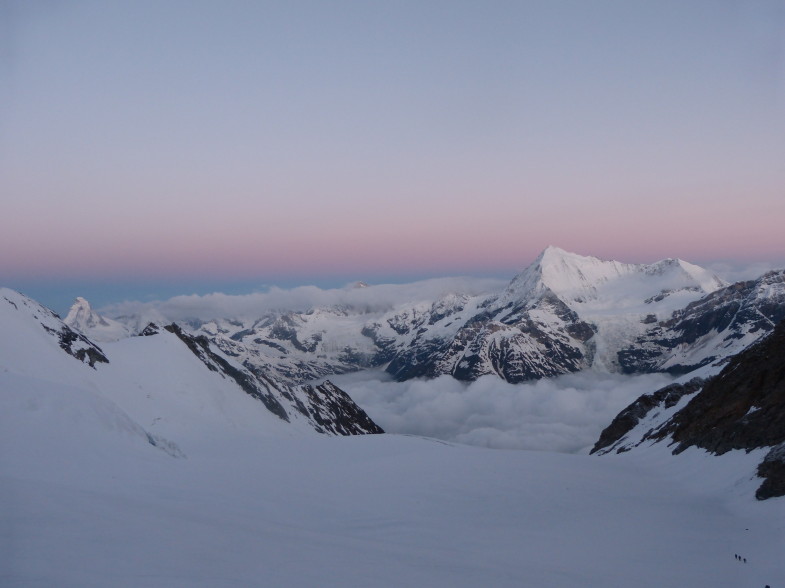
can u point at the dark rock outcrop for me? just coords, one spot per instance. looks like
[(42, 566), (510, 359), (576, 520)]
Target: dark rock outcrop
[(329, 409), (200, 346), (741, 408), (150, 330), (333, 411), (80, 347), (537, 338), (772, 470), (71, 341), (629, 418)]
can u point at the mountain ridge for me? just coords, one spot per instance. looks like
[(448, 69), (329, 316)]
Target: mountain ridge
[(563, 313), (161, 360), (741, 408)]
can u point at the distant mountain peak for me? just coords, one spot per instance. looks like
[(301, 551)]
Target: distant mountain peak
[(29, 316), (578, 278), (84, 319), (707, 280), (82, 316), (564, 273)]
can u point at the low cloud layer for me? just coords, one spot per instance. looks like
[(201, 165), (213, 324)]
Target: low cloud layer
[(564, 414), (377, 298), (737, 272)]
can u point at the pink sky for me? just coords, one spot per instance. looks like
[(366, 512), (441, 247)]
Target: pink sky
[(193, 139)]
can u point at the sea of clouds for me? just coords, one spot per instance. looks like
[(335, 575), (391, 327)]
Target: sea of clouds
[(376, 298), (565, 414)]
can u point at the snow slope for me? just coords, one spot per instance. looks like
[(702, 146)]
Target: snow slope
[(167, 382), (112, 475), (84, 504)]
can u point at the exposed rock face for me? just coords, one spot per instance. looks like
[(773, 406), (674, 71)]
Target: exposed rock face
[(80, 347), (324, 407), (72, 342), (200, 346), (333, 411), (742, 408), (772, 470), (518, 340), (328, 408), (715, 326), (644, 406), (149, 330)]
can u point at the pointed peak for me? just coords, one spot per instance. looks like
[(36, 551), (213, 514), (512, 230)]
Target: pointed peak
[(551, 252), (80, 302), (555, 260), (82, 317)]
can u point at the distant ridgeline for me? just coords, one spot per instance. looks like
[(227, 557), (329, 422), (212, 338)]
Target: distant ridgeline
[(41, 338), (563, 314)]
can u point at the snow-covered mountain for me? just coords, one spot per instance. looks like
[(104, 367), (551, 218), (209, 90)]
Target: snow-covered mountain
[(709, 329), (158, 461), (84, 319), (164, 374), (562, 314), (741, 408)]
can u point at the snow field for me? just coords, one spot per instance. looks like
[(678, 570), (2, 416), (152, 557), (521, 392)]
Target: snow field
[(88, 502)]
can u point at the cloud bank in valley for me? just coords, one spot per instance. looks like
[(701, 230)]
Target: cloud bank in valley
[(563, 414), (377, 298), (739, 272)]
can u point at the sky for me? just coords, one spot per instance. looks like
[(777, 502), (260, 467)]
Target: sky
[(149, 149)]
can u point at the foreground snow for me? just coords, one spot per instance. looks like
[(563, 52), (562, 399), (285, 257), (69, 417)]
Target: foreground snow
[(153, 471), (88, 501)]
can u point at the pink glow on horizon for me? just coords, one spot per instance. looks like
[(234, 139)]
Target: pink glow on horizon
[(248, 141), (353, 250)]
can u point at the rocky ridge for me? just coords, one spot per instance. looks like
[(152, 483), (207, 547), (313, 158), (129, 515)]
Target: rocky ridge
[(741, 408), (325, 408)]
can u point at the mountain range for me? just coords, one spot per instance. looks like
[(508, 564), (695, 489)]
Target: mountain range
[(564, 313), (207, 448), (184, 371)]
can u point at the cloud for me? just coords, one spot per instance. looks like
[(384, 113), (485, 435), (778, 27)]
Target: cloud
[(737, 272), (378, 298), (564, 414)]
